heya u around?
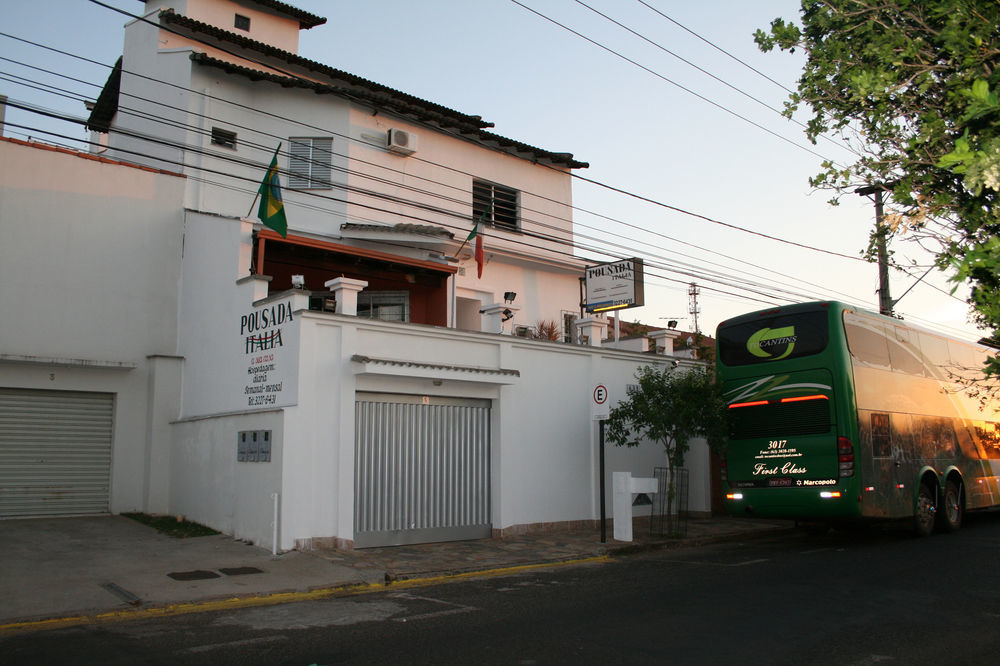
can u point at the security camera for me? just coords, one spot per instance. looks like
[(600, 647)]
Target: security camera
[(298, 281)]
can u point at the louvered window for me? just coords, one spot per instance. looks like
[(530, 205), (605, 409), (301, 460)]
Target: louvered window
[(499, 203), (310, 163)]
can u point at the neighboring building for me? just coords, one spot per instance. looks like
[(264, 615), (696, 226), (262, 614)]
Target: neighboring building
[(90, 265), (373, 404)]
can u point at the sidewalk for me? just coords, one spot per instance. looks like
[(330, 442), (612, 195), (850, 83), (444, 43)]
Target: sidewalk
[(94, 568)]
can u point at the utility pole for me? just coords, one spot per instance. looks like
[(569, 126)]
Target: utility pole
[(884, 297), (693, 308)]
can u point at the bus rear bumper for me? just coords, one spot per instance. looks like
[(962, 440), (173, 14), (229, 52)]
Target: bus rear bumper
[(803, 504)]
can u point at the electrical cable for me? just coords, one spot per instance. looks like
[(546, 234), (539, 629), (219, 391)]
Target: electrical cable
[(408, 203)]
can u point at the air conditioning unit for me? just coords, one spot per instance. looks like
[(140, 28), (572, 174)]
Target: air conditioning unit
[(402, 142)]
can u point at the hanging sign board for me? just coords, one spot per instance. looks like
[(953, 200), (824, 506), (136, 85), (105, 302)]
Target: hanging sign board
[(614, 286)]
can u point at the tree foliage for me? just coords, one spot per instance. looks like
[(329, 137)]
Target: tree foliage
[(671, 407), (912, 87)]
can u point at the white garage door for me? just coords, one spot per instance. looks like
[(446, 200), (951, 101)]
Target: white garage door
[(55, 452), (422, 469)]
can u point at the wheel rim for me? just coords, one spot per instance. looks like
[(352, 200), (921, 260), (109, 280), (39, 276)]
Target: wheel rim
[(951, 505), (925, 510)]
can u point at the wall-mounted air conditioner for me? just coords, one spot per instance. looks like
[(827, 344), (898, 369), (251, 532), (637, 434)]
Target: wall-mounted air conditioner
[(402, 142)]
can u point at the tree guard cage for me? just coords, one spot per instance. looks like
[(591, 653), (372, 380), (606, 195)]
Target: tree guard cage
[(672, 522)]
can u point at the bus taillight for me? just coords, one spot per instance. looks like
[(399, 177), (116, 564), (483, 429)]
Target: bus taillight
[(845, 455)]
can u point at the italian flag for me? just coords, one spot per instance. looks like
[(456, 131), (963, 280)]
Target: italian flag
[(477, 233)]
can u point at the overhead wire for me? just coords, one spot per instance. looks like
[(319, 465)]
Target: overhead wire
[(194, 128), (707, 73), (679, 210), (676, 209)]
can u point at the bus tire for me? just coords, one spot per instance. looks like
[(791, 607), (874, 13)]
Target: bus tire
[(924, 513), (951, 512)]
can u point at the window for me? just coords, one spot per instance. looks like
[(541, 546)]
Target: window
[(766, 339), (224, 138), (780, 419), (881, 435), (499, 203), (242, 22), (384, 305), (309, 163)]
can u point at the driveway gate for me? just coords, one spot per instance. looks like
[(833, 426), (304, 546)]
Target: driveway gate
[(422, 469)]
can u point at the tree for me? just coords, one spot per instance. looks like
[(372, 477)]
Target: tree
[(911, 86), (670, 406)]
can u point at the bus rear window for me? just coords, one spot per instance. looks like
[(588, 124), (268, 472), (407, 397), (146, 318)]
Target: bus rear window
[(779, 419), (782, 336)]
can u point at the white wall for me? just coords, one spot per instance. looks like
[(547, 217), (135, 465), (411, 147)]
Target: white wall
[(208, 484), (89, 270), (544, 442)]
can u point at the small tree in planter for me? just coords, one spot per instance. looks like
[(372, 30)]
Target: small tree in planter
[(670, 406)]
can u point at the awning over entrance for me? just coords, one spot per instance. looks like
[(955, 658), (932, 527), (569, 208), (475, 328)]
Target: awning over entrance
[(266, 235), (400, 287)]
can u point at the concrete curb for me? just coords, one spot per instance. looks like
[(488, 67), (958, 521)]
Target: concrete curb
[(391, 581), (276, 598)]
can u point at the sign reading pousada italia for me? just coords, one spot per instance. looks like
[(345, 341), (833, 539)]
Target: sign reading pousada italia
[(614, 285), (265, 337)]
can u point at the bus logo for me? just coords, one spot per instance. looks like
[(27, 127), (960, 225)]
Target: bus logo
[(763, 341)]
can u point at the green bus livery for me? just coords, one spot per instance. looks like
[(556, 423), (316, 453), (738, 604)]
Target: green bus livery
[(837, 414)]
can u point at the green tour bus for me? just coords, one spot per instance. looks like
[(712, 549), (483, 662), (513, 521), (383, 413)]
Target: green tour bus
[(837, 414)]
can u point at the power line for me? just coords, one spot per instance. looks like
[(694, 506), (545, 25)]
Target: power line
[(574, 175), (406, 202), (717, 48), (708, 73), (669, 80)]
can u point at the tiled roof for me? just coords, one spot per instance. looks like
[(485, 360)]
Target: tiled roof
[(349, 85), (306, 20), (359, 358), (87, 156), (107, 102), (421, 229)]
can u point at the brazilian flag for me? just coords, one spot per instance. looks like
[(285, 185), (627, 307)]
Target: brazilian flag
[(272, 209)]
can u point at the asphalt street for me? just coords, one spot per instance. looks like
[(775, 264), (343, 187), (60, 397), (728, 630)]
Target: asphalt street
[(878, 595)]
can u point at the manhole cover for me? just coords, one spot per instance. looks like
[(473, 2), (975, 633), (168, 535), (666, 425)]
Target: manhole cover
[(192, 575), (241, 571)]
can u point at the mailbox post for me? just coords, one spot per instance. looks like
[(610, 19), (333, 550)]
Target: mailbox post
[(624, 487)]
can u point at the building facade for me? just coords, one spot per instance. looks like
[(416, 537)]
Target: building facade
[(352, 383)]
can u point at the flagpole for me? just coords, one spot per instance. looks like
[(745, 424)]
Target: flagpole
[(482, 220), (257, 196)]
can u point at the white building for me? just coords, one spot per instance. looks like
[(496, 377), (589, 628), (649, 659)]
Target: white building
[(382, 401)]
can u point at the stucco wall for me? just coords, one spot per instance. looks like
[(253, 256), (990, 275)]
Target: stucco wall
[(89, 271)]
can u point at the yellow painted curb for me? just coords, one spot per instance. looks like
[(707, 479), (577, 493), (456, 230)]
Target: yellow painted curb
[(274, 599)]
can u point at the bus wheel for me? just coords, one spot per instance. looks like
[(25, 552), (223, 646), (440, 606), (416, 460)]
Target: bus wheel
[(924, 514), (950, 515)]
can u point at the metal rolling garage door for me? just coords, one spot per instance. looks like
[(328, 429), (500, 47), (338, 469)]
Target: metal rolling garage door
[(422, 469), (55, 452)]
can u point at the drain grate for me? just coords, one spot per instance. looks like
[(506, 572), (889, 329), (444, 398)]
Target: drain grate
[(193, 575), (122, 594), (241, 571)]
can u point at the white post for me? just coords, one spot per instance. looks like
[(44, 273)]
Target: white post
[(345, 291), (494, 316), (277, 530), (593, 328), (665, 339)]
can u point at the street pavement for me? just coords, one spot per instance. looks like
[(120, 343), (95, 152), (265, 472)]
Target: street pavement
[(65, 571)]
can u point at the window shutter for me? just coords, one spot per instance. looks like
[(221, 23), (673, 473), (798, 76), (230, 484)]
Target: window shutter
[(299, 153), (322, 156)]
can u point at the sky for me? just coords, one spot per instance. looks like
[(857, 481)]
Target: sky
[(668, 144)]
